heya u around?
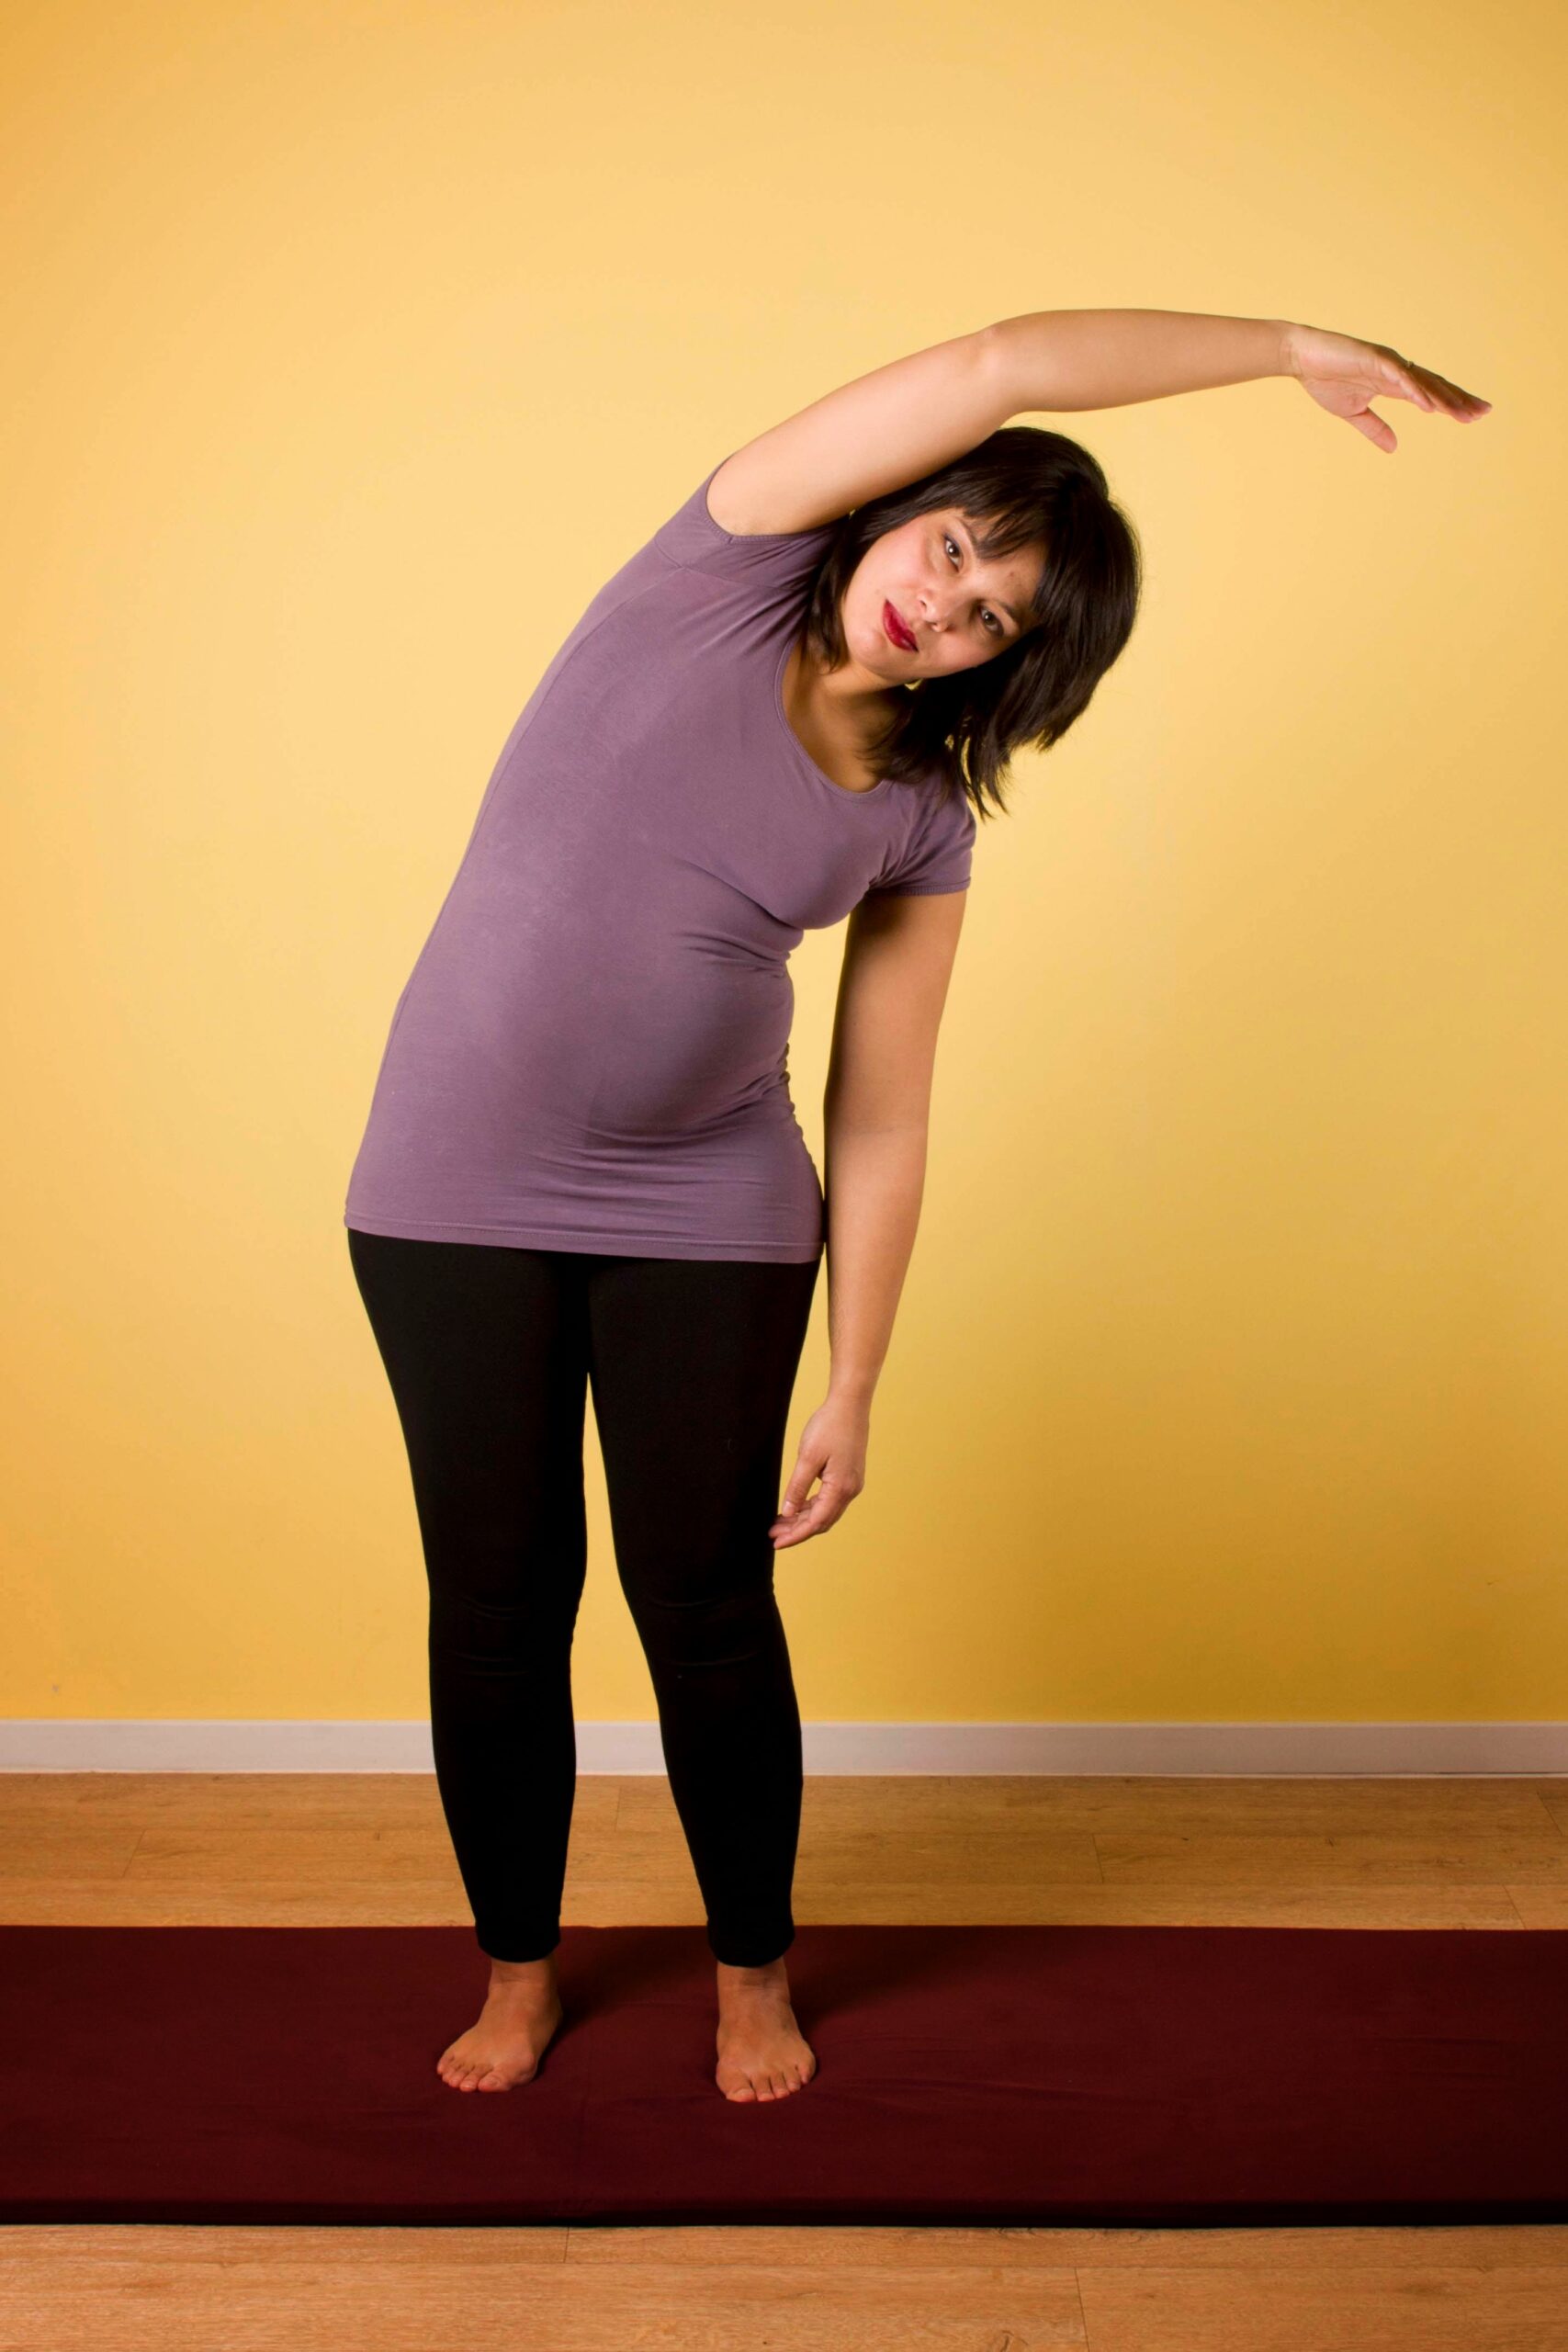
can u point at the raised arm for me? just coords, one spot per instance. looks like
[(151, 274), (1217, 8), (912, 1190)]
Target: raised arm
[(871, 435), (1074, 359), (880, 431)]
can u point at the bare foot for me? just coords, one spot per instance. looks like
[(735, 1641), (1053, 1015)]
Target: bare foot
[(522, 2011), (762, 2052)]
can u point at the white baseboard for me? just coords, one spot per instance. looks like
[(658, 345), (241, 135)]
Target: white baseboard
[(94, 1745)]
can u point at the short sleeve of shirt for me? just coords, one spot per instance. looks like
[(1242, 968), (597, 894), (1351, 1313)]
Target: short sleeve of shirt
[(939, 855), (764, 564)]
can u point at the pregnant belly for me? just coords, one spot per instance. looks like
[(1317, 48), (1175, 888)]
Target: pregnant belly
[(684, 1048), (613, 1057)]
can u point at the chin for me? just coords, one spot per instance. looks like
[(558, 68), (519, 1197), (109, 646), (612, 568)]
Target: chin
[(883, 656)]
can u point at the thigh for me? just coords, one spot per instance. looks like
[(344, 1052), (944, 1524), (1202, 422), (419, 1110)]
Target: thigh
[(485, 1352), (692, 1365)]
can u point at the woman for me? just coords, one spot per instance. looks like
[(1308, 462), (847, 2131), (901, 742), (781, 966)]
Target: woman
[(582, 1167)]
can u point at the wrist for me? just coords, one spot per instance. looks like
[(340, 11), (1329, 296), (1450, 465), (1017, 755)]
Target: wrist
[(848, 1388), (1287, 347)]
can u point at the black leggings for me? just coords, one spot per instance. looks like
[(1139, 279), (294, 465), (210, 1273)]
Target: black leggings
[(489, 1352)]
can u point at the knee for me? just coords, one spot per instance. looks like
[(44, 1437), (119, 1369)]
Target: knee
[(481, 1630), (728, 1629)]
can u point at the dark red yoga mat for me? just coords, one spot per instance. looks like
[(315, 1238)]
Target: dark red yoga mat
[(1149, 2076)]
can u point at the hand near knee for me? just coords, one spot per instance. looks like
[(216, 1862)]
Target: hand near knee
[(832, 1448)]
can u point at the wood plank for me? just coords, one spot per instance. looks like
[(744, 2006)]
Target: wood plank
[(371, 1848), (477, 2296), (1240, 1858), (1433, 2308)]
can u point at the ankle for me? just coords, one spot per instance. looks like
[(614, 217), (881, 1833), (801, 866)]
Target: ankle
[(530, 1972), (774, 1972)]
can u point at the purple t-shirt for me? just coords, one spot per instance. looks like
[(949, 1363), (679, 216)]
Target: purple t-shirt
[(591, 1050)]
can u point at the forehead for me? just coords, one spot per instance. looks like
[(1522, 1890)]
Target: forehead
[(978, 528), (1018, 570)]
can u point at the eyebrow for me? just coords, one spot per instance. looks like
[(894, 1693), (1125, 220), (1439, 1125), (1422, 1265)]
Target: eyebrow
[(998, 601)]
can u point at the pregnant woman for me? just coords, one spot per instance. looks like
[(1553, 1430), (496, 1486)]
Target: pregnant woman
[(582, 1172)]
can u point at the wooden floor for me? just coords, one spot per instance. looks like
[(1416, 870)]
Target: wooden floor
[(307, 1851)]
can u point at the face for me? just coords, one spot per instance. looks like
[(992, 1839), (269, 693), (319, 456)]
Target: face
[(960, 608)]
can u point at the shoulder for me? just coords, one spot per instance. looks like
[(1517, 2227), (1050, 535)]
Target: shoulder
[(742, 511), (935, 848), (703, 533)]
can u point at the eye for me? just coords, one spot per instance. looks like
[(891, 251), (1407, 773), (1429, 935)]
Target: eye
[(993, 625)]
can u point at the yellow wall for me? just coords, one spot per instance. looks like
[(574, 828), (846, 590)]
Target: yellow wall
[(353, 347)]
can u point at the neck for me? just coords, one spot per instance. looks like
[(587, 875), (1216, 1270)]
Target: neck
[(851, 701)]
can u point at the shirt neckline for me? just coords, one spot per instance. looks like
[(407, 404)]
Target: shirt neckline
[(839, 791)]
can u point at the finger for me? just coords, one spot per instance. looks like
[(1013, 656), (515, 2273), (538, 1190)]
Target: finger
[(1379, 434), (809, 1520), (827, 1507), (801, 1530), (796, 1504), (798, 1489), (1449, 400), (1403, 382), (790, 1514), (1464, 407)]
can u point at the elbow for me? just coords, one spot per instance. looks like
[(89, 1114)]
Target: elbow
[(995, 361), (876, 1110)]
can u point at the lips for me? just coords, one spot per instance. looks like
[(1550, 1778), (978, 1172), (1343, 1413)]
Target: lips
[(902, 636)]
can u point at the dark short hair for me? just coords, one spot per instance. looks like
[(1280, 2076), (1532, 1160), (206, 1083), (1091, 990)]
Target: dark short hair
[(1031, 486)]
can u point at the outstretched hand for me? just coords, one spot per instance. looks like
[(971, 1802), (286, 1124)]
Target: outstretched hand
[(832, 1447), (1343, 375)]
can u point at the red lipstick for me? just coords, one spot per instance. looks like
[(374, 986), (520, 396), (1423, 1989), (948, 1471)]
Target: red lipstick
[(902, 638)]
